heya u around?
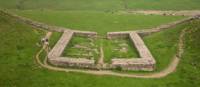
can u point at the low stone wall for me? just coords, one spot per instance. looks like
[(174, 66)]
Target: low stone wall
[(85, 33), (60, 45), (133, 64), (73, 62), (141, 47), (54, 56), (165, 26), (146, 62), (34, 23), (166, 13), (40, 25), (111, 35)]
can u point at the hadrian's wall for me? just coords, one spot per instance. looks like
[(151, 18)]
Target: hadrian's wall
[(145, 32), (44, 26), (33, 23), (166, 26)]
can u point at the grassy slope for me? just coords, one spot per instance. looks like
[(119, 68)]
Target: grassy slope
[(97, 21), (163, 45), (106, 5), (163, 4), (19, 69), (62, 4)]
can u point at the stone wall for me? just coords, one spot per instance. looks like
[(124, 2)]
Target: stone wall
[(146, 61), (85, 33), (165, 13), (44, 26), (165, 26), (73, 62), (133, 64), (54, 56), (33, 23), (112, 35), (61, 44)]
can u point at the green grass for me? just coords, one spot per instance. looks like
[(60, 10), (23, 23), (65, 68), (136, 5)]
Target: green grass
[(18, 68), (54, 38), (163, 45), (62, 4), (100, 22), (112, 49), (163, 4), (106, 5)]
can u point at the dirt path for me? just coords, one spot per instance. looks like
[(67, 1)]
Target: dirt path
[(171, 68), (101, 59)]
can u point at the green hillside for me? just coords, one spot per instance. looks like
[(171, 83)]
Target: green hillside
[(106, 5), (99, 22), (19, 69)]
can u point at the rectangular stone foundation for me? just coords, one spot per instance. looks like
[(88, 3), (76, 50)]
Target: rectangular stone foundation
[(145, 63), (54, 56)]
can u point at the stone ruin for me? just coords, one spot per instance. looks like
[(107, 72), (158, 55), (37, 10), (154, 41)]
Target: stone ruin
[(146, 62), (55, 58)]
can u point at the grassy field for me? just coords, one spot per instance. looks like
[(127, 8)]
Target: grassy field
[(118, 48), (105, 5), (162, 4), (163, 45), (19, 69), (98, 21)]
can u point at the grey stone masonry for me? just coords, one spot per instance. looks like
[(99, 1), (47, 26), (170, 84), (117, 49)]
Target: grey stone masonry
[(73, 62), (146, 61), (54, 56), (61, 44), (145, 32), (133, 64), (111, 35), (141, 47), (85, 33)]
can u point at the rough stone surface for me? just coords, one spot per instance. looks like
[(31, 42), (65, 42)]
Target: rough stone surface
[(111, 35), (166, 13), (72, 62), (133, 64), (85, 33), (61, 44)]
